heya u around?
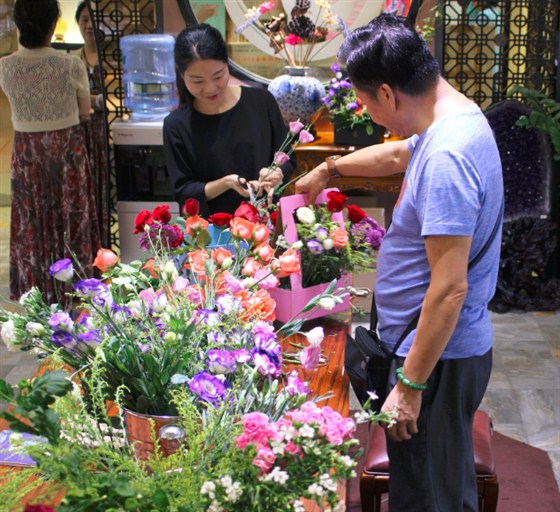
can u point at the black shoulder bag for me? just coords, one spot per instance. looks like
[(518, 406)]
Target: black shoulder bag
[(366, 359)]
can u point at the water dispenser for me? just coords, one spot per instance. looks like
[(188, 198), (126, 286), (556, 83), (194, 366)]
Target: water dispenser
[(149, 75)]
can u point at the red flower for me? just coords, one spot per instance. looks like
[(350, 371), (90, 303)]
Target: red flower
[(336, 201), (161, 213), (144, 218), (355, 213), (247, 211), (38, 508), (220, 219), (273, 217), (177, 240), (190, 207)]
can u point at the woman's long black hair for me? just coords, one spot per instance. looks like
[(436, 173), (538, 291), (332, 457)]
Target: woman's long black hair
[(197, 42)]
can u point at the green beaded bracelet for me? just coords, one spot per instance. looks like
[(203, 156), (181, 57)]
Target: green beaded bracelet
[(409, 383)]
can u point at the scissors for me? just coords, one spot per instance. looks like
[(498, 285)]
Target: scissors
[(245, 184)]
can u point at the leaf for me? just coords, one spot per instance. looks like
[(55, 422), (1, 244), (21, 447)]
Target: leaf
[(6, 391)]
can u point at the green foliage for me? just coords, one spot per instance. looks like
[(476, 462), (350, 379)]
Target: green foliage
[(545, 115), (32, 402)]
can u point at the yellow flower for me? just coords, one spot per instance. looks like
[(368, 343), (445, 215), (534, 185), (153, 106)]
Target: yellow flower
[(325, 4)]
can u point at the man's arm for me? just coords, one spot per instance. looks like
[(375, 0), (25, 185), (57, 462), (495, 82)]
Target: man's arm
[(448, 259), (379, 160)]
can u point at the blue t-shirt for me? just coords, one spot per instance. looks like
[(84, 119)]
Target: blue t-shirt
[(453, 186)]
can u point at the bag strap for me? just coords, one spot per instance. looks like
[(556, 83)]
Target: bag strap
[(414, 322)]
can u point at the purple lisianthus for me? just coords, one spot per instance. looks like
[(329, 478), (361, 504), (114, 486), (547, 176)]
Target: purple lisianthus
[(207, 317), (221, 361), (103, 299), (217, 337), (314, 246), (352, 105), (265, 365), (63, 339), (335, 68), (242, 355), (90, 337), (61, 322), (208, 387), (90, 287), (295, 386), (62, 270)]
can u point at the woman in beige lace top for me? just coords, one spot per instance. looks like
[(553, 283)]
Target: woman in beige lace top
[(52, 188)]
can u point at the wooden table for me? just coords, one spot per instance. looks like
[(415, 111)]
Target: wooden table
[(312, 154)]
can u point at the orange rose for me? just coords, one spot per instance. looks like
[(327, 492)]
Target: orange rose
[(264, 251), (260, 233), (220, 254), (105, 260), (195, 224), (250, 267), (241, 228), (289, 263), (196, 262), (340, 237)]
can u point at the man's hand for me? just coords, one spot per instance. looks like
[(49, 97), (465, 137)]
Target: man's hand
[(314, 182), (407, 403)]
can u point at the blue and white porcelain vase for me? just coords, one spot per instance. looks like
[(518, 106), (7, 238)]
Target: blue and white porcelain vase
[(298, 94)]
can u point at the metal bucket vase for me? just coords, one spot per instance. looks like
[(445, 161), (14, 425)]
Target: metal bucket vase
[(140, 430), (298, 94)]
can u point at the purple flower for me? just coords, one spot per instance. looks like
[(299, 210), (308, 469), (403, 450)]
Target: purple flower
[(103, 299), (352, 105), (310, 357), (209, 388), (368, 231), (62, 339), (167, 235), (207, 317), (242, 355), (335, 68), (228, 304), (62, 270), (221, 361), (90, 337), (314, 246), (266, 366), (295, 386), (61, 322), (90, 287)]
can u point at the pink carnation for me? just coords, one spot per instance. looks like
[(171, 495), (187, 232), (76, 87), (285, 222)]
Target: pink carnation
[(266, 6), (293, 40)]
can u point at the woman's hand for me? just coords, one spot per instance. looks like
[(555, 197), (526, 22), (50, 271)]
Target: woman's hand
[(239, 184), (406, 403), (269, 179), (314, 182)]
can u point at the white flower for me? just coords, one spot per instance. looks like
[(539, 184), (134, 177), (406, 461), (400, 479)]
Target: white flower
[(215, 507), (328, 244), (340, 507), (249, 282), (361, 416), (208, 488), (228, 262), (316, 489), (347, 461), (277, 475), (170, 270), (35, 328), (23, 298), (307, 431), (327, 482), (315, 336), (298, 506), (296, 246), (305, 215), (327, 303), (8, 334)]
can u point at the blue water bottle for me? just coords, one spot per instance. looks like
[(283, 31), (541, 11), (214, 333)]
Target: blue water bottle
[(149, 75)]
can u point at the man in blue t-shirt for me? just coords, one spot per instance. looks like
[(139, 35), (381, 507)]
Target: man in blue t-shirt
[(450, 202)]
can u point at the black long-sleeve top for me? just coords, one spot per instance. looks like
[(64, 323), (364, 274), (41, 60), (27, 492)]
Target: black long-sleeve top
[(200, 148)]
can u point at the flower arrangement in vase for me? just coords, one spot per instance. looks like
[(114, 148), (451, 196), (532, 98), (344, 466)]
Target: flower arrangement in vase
[(352, 122)]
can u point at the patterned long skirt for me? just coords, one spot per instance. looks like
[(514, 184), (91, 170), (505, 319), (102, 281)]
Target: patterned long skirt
[(53, 209)]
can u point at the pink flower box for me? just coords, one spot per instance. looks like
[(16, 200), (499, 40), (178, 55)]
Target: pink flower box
[(290, 302)]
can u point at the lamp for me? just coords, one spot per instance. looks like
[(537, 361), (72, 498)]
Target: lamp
[(59, 31)]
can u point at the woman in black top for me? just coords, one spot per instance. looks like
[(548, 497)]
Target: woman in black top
[(222, 137)]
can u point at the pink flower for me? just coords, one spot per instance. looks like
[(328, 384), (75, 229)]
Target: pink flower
[(305, 137), (265, 458), (266, 6), (180, 284), (310, 357), (265, 279), (293, 40), (280, 157), (295, 127)]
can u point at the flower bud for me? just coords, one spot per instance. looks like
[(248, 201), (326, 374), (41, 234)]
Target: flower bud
[(326, 303)]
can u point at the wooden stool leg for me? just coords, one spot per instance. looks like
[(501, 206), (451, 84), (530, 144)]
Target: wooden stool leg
[(371, 489), (490, 494)]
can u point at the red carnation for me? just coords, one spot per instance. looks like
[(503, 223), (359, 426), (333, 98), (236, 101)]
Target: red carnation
[(161, 213), (355, 213), (191, 207), (336, 201), (177, 240), (247, 211), (220, 219), (144, 218), (274, 216)]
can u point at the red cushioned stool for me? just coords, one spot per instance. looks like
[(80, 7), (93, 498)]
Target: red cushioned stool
[(374, 480)]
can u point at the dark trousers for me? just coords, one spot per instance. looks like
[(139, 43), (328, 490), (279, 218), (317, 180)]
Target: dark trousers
[(434, 471)]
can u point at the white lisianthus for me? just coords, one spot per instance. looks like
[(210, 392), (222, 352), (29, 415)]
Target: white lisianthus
[(296, 246), (35, 328), (249, 283), (23, 298), (328, 244), (327, 303), (316, 489), (228, 262), (315, 336), (8, 334), (305, 215), (170, 270)]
